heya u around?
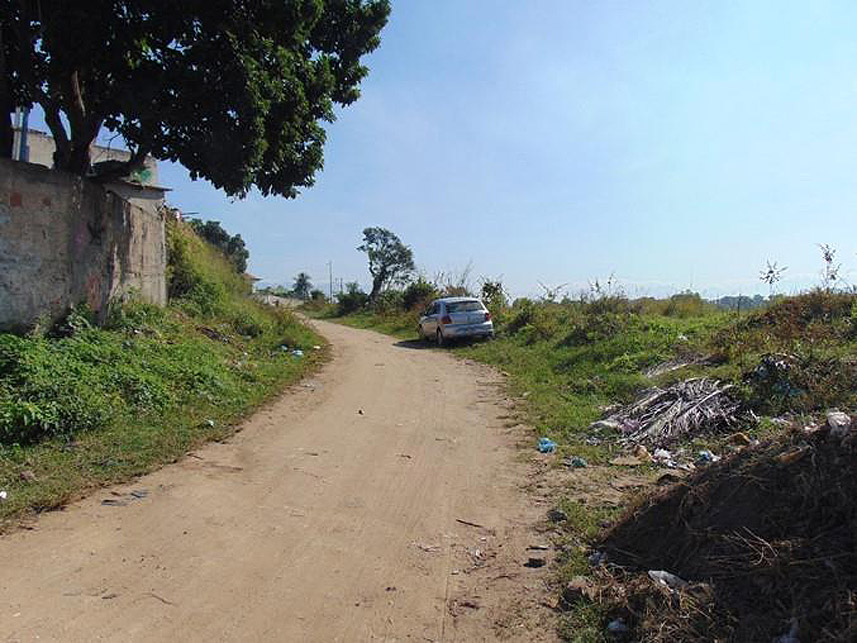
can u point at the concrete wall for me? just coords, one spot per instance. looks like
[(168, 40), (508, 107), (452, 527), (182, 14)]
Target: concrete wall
[(66, 240)]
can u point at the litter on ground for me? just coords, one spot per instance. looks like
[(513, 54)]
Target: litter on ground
[(546, 445), (575, 462)]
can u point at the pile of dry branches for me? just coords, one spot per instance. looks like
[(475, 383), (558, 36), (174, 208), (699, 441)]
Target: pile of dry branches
[(765, 542), (685, 409)]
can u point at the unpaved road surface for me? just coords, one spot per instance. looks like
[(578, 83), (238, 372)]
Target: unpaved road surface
[(332, 516)]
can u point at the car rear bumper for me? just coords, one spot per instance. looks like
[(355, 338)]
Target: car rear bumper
[(485, 329)]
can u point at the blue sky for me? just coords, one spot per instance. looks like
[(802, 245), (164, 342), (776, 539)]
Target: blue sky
[(673, 144)]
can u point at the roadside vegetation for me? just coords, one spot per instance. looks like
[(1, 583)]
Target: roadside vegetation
[(83, 405), (752, 507)]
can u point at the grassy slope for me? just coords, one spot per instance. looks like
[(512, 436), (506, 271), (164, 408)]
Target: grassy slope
[(81, 406)]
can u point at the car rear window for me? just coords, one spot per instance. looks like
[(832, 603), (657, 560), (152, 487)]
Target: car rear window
[(464, 306)]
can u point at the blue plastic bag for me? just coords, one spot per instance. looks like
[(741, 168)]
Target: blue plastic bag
[(546, 445)]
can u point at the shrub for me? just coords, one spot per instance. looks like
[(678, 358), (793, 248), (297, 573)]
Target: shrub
[(389, 301), (352, 300), (418, 294), (523, 313)]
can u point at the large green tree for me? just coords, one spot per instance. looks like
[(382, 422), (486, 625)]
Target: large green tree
[(237, 91), (390, 260)]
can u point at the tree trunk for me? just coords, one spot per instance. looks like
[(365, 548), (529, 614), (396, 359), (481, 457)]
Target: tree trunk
[(377, 283), (80, 158), (62, 149), (83, 125)]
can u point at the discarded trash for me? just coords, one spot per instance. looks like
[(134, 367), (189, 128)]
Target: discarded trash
[(3, 496), (360, 412), (557, 515), (839, 424), (535, 563), (284, 348), (667, 580), (812, 428), (139, 494), (297, 352), (593, 440), (705, 457), (316, 347), (617, 626), (539, 547), (575, 462), (597, 558), (210, 423), (546, 445), (114, 502), (665, 458), (740, 438)]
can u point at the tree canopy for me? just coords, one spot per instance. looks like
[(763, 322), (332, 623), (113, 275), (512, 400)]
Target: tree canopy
[(237, 91), (390, 260)]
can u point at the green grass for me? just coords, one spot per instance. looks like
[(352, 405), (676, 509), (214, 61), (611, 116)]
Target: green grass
[(400, 326), (83, 406)]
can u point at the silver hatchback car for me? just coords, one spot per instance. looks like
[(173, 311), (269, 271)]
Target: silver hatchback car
[(455, 318)]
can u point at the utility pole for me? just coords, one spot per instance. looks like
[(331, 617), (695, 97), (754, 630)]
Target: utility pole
[(330, 272), (340, 286)]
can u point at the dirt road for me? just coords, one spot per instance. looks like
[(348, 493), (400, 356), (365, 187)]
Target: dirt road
[(334, 515)]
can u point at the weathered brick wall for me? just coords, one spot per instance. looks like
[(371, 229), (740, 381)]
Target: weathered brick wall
[(65, 240)]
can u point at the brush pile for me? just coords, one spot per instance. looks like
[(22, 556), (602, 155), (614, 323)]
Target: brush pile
[(661, 417), (765, 544)]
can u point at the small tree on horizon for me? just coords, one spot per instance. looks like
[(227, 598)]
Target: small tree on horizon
[(830, 275), (771, 275), (390, 260), (302, 286)]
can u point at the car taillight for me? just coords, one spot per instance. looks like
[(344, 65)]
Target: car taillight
[(446, 319), (487, 316)]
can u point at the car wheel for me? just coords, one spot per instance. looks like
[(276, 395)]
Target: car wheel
[(440, 341)]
